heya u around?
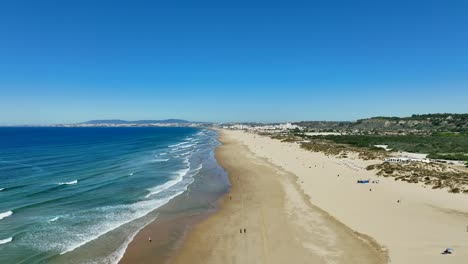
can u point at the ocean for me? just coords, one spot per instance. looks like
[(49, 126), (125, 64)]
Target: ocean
[(79, 195)]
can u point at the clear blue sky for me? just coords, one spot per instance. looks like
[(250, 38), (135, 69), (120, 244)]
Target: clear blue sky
[(71, 61)]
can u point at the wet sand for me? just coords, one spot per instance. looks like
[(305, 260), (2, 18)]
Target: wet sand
[(166, 236)]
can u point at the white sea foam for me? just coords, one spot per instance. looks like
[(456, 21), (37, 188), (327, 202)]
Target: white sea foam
[(183, 155), (182, 148), (117, 255), (179, 144), (6, 240), (137, 210), (161, 160), (131, 174), (163, 154), (199, 167), (53, 219), (162, 187), (1, 189), (113, 217), (186, 153), (5, 214), (180, 176), (187, 146), (194, 172), (69, 183)]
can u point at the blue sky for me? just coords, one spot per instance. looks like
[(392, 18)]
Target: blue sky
[(231, 60)]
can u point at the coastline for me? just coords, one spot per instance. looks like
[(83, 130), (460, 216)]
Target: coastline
[(281, 224), (167, 233), (177, 217), (81, 196), (299, 206)]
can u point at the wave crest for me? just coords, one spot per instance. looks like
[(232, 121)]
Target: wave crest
[(53, 219), (6, 240), (5, 214), (68, 183)]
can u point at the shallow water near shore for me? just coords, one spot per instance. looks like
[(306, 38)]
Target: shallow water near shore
[(79, 195)]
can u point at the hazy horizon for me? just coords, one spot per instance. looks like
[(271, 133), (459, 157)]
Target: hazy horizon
[(202, 121), (212, 61)]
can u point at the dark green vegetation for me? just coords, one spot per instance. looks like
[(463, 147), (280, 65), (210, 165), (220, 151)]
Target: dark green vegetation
[(415, 124), (328, 147), (439, 146)]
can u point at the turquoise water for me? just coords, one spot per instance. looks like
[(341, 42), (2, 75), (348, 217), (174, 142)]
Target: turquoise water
[(78, 195)]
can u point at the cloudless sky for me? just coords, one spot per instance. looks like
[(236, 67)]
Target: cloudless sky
[(71, 61)]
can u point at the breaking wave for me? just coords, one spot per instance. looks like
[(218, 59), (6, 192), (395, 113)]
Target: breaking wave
[(6, 240), (161, 160), (5, 214), (53, 219), (68, 183)]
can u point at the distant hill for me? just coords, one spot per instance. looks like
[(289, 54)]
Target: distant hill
[(121, 122), (325, 125), (416, 123)]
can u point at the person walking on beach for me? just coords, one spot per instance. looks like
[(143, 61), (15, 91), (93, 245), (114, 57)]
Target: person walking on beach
[(149, 239), (245, 230), (240, 230)]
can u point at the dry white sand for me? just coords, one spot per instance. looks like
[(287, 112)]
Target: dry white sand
[(416, 230)]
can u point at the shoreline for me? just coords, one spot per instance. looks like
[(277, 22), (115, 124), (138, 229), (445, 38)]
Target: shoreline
[(265, 201), (167, 234), (177, 217), (299, 206)]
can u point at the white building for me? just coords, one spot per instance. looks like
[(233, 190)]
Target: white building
[(397, 160), (287, 126), (269, 127), (406, 159)]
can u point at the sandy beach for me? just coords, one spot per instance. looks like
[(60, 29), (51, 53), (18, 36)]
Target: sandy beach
[(416, 230), (281, 224), (298, 206)]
